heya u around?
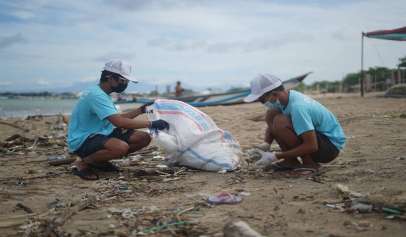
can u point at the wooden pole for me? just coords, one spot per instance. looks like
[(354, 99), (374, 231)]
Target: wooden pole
[(361, 81)]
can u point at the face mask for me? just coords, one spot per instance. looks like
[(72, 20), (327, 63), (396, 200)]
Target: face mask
[(120, 88), (273, 104)]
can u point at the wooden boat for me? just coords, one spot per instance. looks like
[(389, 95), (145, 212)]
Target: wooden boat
[(228, 98)]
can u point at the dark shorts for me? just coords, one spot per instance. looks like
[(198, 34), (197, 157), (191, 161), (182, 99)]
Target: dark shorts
[(327, 150), (96, 142)]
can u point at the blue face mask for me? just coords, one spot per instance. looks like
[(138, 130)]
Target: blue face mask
[(273, 104)]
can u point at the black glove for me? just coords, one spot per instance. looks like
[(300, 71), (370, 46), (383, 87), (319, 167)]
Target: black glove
[(159, 125), (144, 106)]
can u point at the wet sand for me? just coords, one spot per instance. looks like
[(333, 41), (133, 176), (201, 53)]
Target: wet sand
[(37, 199)]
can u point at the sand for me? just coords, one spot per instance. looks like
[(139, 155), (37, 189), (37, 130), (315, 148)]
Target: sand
[(37, 199)]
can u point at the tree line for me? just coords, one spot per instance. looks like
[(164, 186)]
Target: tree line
[(377, 79)]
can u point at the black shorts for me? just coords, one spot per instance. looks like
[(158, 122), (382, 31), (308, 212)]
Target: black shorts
[(327, 150), (96, 142)]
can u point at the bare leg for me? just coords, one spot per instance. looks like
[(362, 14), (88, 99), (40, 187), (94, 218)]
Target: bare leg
[(282, 130), (138, 140), (269, 117), (114, 148)]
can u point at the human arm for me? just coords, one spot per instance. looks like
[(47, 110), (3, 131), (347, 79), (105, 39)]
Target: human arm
[(127, 123), (122, 121), (135, 112)]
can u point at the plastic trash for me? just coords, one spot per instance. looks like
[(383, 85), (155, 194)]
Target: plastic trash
[(224, 198), (361, 207)]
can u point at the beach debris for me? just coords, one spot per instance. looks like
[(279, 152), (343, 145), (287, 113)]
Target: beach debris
[(24, 208), (150, 219), (13, 125), (239, 229), (164, 226), (346, 192), (263, 146), (61, 159), (360, 207), (224, 198), (57, 203), (354, 202)]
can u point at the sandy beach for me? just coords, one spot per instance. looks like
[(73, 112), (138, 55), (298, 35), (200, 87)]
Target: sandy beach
[(37, 199)]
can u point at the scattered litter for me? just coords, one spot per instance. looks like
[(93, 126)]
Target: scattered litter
[(224, 198), (239, 229), (354, 202), (344, 190), (361, 207), (244, 194), (24, 207), (60, 159), (164, 226), (57, 203)]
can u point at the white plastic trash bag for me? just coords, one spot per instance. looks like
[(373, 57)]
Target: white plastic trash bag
[(193, 139)]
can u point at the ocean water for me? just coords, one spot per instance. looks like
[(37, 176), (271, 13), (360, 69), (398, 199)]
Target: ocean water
[(22, 107), (25, 106)]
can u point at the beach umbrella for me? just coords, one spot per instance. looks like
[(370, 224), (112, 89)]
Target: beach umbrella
[(398, 34)]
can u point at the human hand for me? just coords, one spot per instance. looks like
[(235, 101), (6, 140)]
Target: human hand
[(143, 107), (267, 159), (159, 125)]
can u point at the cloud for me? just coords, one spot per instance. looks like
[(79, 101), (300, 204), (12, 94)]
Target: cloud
[(42, 82), (8, 41), (237, 46), (175, 45)]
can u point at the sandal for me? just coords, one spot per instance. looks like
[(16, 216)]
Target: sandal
[(86, 174), (105, 166)]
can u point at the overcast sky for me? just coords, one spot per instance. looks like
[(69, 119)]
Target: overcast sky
[(207, 43)]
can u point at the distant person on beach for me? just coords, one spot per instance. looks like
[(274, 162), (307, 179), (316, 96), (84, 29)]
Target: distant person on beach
[(300, 125), (98, 133), (178, 89)]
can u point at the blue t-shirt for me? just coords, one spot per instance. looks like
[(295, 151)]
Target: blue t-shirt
[(307, 114), (89, 117)]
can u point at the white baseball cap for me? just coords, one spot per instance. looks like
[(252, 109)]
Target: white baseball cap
[(262, 84), (122, 68)]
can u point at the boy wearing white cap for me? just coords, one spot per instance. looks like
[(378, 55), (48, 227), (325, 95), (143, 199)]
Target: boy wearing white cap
[(300, 125), (98, 133)]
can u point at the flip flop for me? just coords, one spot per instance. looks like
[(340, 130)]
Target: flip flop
[(105, 167), (85, 174)]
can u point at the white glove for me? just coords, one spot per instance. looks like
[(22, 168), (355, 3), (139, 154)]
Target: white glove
[(267, 158)]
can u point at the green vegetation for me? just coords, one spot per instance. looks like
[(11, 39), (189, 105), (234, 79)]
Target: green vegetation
[(377, 79)]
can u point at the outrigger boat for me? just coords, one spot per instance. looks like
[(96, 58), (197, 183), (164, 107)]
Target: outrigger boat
[(229, 98)]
